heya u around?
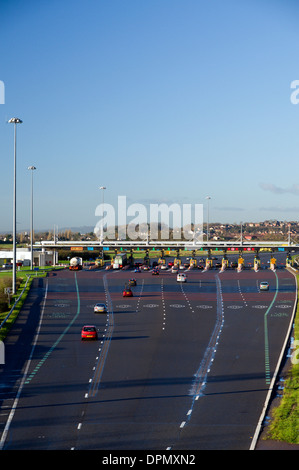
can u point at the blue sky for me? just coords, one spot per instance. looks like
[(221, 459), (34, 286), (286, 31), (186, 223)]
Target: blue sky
[(159, 100)]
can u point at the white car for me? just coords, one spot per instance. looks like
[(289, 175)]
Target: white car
[(264, 285), (100, 308), (181, 278)]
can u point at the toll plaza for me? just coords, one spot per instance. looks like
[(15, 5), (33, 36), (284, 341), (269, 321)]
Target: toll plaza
[(179, 249)]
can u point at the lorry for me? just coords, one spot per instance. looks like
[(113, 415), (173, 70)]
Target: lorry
[(120, 261), (76, 263)]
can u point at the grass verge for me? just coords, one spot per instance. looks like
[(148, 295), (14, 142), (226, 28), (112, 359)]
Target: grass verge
[(21, 281), (284, 425), (10, 321)]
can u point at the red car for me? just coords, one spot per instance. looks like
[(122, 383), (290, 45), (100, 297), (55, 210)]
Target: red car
[(89, 332), (127, 292)]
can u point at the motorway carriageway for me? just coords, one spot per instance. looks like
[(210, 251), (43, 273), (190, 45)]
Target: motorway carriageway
[(178, 366)]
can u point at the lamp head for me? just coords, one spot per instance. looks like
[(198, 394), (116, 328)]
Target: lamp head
[(15, 120)]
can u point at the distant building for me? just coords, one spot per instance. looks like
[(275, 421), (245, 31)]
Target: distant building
[(40, 257)]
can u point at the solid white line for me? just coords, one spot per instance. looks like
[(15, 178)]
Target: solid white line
[(15, 404)]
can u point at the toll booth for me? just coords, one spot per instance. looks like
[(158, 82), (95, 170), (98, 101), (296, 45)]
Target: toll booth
[(224, 264), (273, 263), (209, 263), (99, 262), (256, 264), (240, 264)]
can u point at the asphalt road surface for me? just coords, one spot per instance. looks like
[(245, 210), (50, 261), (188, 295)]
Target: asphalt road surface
[(177, 366)]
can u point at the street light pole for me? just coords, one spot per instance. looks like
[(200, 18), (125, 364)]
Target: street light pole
[(31, 235), (14, 121), (208, 198), (102, 228)]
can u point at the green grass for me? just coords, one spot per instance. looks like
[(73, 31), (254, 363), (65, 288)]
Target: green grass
[(284, 425), (10, 321), (5, 280)]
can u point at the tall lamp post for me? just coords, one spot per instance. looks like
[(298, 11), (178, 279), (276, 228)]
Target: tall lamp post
[(102, 228), (14, 121), (208, 198), (32, 168)]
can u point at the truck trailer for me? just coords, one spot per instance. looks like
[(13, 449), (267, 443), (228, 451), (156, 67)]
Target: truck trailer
[(120, 261), (76, 263)]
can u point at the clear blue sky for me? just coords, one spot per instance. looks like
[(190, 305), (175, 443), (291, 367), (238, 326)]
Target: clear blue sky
[(158, 100)]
